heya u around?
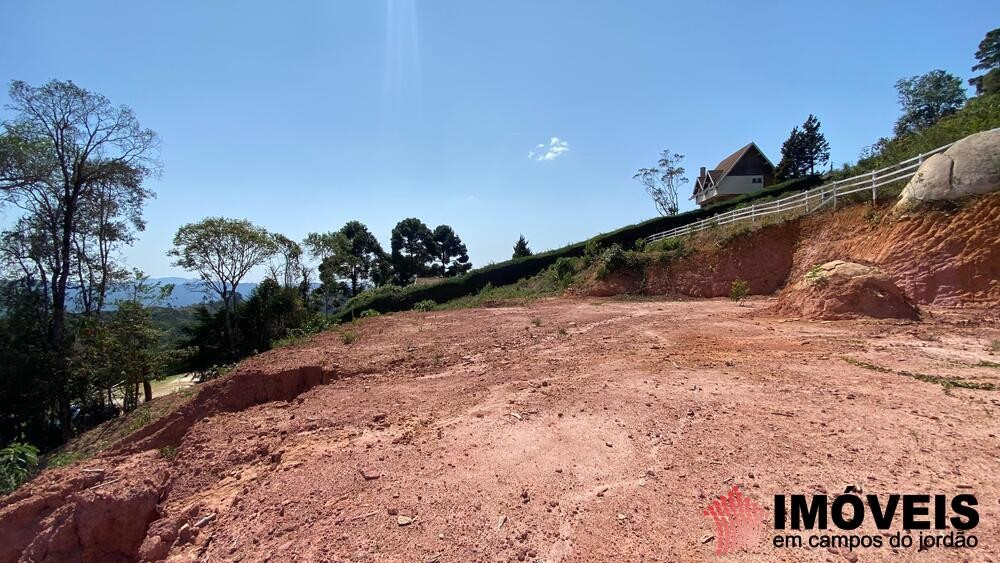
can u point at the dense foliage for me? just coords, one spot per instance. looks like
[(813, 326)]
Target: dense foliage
[(804, 152), (396, 298)]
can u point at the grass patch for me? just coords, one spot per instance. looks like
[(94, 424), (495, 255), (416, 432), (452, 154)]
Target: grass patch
[(138, 418), (946, 382), (62, 459), (425, 305), (167, 452), (551, 282), (536, 322), (348, 337), (987, 364)]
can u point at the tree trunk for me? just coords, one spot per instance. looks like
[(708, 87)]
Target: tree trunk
[(228, 324), (147, 391)]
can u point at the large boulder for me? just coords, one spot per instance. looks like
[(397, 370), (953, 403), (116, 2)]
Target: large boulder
[(844, 290), (971, 166)]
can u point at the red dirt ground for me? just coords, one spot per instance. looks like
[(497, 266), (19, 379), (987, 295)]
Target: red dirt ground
[(598, 432), (937, 257)]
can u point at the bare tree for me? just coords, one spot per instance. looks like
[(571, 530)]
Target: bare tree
[(73, 164), (663, 181), (286, 264)]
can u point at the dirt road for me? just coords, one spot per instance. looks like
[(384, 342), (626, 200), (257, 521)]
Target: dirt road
[(587, 430)]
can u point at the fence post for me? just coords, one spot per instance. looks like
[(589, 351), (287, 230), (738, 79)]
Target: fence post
[(873, 188), (753, 213), (920, 158)]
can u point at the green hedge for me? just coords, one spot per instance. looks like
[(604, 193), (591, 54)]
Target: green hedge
[(388, 299)]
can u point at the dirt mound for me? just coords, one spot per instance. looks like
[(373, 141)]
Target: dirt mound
[(102, 510), (842, 290), (95, 513)]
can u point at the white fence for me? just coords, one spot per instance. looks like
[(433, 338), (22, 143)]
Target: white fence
[(810, 200)]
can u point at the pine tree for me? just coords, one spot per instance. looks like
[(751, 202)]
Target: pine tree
[(988, 56), (815, 150), (521, 248), (804, 151), (790, 165)]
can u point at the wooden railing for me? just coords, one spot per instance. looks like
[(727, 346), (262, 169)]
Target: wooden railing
[(810, 200)]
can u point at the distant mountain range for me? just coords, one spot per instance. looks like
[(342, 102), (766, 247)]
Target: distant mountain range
[(186, 294)]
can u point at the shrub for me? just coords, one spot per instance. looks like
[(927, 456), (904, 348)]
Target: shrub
[(815, 275), (738, 290), (369, 313), (348, 337), (213, 372), (981, 113), (17, 462), (393, 298), (425, 305), (591, 252), (616, 258), (564, 269)]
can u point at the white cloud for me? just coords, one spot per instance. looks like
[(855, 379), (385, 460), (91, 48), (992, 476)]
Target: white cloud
[(543, 152)]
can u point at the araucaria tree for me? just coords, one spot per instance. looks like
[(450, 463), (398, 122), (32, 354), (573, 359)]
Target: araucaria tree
[(73, 165), (352, 253), (663, 181), (451, 258), (521, 248), (222, 252), (988, 56), (412, 246), (804, 152), (927, 98)]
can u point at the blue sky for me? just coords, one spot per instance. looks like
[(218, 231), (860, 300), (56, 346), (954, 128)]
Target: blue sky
[(301, 116)]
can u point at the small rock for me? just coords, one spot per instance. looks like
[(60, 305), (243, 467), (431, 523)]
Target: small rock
[(404, 520)]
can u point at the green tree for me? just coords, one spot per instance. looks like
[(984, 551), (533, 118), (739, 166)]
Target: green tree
[(451, 257), (991, 82), (73, 165), (814, 150), (353, 253), (412, 247), (927, 98), (804, 152), (271, 313), (286, 263), (792, 163), (988, 56), (521, 248), (663, 181), (222, 252)]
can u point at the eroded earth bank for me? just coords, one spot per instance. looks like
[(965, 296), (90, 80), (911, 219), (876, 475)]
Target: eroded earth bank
[(565, 430)]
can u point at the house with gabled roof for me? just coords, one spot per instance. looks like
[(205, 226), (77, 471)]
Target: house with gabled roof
[(746, 170)]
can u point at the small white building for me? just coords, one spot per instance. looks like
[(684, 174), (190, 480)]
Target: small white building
[(746, 170)]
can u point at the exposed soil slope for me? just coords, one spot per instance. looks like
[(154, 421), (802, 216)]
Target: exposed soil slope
[(475, 435), (936, 256)]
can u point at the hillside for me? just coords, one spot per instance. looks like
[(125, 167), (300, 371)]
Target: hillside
[(564, 430), (567, 428)]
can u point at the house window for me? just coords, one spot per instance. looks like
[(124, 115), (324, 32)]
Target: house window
[(757, 181)]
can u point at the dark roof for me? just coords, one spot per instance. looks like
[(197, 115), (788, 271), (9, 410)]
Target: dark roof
[(723, 168), (731, 160)]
